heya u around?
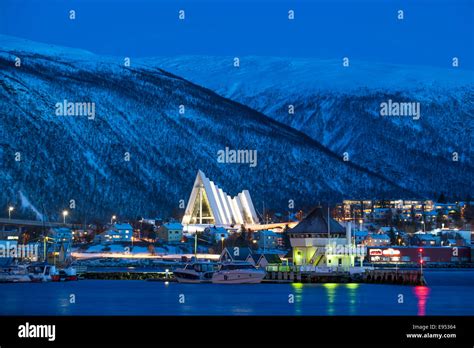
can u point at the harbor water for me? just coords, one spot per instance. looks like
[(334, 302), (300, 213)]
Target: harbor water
[(449, 292)]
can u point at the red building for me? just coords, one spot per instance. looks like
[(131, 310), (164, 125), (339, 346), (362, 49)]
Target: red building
[(411, 254)]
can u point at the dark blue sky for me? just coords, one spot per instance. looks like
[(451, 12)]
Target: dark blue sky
[(433, 30)]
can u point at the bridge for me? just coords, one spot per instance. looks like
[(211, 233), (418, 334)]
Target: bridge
[(21, 224)]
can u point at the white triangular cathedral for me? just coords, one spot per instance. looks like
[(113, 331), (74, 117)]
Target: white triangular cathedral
[(209, 205)]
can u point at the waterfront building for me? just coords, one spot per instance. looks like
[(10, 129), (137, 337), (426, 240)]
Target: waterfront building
[(317, 241), (231, 254), (265, 260), (210, 205), (171, 232)]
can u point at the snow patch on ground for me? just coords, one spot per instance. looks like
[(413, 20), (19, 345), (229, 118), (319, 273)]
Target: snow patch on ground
[(26, 204)]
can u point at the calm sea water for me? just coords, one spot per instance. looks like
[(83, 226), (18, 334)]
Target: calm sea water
[(448, 293)]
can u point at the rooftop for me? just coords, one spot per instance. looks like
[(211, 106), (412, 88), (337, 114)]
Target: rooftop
[(317, 222)]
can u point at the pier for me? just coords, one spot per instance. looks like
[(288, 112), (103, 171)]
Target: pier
[(110, 274), (376, 276)]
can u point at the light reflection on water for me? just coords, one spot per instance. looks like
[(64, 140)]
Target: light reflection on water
[(298, 292), (352, 295), (331, 297), (422, 293)]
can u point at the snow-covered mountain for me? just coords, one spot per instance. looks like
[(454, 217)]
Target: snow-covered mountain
[(64, 158), (340, 108)]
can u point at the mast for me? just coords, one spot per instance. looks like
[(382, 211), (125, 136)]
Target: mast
[(200, 204), (44, 234), (195, 244), (329, 228)]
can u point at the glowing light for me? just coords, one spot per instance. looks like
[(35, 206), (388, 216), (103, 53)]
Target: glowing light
[(375, 252), (391, 252), (78, 255)]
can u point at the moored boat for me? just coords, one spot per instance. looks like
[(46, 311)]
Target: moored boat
[(43, 272), (15, 274), (66, 274), (195, 272), (238, 273)]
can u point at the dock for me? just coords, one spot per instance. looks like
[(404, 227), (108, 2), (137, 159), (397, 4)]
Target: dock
[(372, 276), (376, 276)]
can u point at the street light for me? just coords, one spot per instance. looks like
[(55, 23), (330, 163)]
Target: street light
[(65, 213), (112, 219), (10, 209), (222, 240)]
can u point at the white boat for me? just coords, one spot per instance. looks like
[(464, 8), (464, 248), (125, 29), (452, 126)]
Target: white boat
[(36, 273), (238, 273), (15, 274), (43, 272), (195, 272)]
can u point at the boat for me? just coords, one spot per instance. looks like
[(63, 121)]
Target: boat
[(15, 274), (66, 274), (238, 273), (195, 272), (36, 272), (43, 272)]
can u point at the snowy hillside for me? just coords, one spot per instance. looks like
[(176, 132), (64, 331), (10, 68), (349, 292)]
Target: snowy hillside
[(137, 117), (340, 107)]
